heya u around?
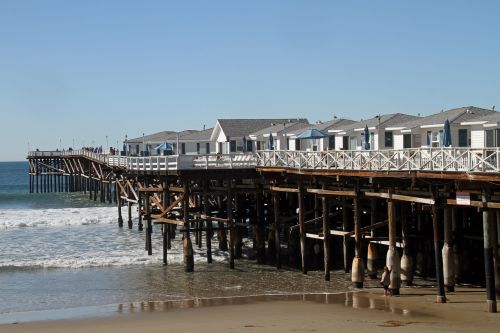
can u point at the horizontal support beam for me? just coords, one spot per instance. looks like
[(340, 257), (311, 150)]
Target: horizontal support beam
[(336, 193), (494, 205), (284, 189), (168, 221), (400, 197), (314, 236)]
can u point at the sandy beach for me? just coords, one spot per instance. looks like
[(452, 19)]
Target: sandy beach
[(413, 311)]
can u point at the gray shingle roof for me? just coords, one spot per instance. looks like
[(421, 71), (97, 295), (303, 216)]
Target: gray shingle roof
[(155, 137), (244, 127), (454, 116), (278, 128), (197, 135), (382, 121)]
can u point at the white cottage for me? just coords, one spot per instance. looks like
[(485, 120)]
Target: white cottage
[(282, 135), (233, 135), (484, 130), (427, 131), (381, 132)]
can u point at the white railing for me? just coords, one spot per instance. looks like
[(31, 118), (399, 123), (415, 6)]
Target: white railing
[(415, 159)]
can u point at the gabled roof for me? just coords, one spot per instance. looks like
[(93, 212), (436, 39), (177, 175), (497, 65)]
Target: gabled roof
[(280, 128), (161, 136), (381, 122), (492, 118), (454, 116), (199, 136), (155, 137), (243, 127)]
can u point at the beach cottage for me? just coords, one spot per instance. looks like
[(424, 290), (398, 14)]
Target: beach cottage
[(233, 135), (428, 131), (308, 140), (484, 130), (379, 130), (281, 133)]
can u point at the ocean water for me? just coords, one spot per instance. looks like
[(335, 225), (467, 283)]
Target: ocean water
[(61, 251)]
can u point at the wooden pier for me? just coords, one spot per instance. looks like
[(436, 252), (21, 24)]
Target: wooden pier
[(432, 212)]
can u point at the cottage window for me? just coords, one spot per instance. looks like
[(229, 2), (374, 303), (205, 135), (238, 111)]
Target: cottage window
[(406, 140), (345, 142), (183, 148), (198, 147), (207, 148), (489, 138), (249, 146), (463, 137), (232, 146), (331, 142), (429, 138), (388, 140), (297, 144)]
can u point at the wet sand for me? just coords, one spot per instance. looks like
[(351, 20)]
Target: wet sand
[(413, 311)]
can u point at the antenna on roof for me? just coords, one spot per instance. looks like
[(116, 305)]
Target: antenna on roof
[(203, 126)]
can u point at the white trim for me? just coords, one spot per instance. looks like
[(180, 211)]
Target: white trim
[(490, 125), (394, 128), (406, 131), (362, 129), (334, 131), (466, 123), (432, 126)]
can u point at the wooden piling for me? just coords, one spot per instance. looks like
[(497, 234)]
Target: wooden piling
[(119, 205), (488, 254), (276, 208), (357, 272), (230, 223), (393, 261), (302, 230), (345, 228), (165, 226), (441, 297), (129, 209), (149, 225), (187, 246), (208, 222), (259, 228), (447, 252), (372, 250), (140, 200), (326, 237), (406, 260)]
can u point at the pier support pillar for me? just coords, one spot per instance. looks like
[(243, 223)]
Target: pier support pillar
[(346, 240), (496, 251), (358, 269), (230, 222), (302, 229), (456, 222), (260, 229), (448, 255), (441, 297), (488, 254), (392, 259), (406, 259), (326, 236), (119, 205), (372, 253), (276, 208), (187, 246), (165, 227), (208, 222), (149, 224), (129, 210)]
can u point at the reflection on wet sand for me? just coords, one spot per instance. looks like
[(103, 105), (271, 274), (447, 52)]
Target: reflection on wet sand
[(355, 300)]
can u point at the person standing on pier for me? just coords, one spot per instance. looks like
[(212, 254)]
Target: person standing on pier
[(385, 281)]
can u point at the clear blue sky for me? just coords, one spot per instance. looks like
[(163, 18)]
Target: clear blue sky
[(83, 70)]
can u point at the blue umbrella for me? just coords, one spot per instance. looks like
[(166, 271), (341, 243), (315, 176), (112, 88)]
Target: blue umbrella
[(366, 135), (312, 134), (446, 134), (271, 141)]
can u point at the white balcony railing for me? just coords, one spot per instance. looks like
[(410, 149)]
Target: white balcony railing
[(414, 159)]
